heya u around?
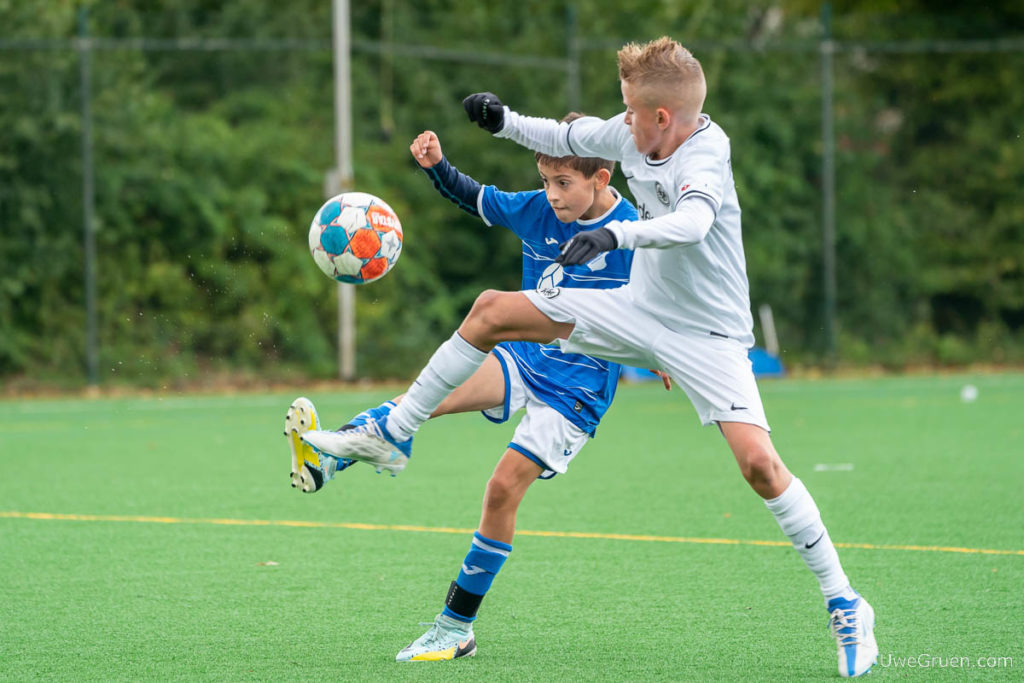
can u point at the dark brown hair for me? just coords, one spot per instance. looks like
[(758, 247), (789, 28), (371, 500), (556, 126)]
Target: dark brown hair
[(588, 166)]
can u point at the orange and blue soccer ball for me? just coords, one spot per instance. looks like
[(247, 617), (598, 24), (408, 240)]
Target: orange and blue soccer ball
[(355, 238)]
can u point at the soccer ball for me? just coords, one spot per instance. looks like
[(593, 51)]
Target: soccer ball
[(355, 238)]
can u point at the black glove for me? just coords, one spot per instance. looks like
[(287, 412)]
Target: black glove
[(586, 245), (486, 110)]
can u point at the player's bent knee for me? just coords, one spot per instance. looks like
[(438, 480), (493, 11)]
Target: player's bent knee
[(484, 317)]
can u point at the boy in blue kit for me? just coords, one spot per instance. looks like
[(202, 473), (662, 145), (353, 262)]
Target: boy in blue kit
[(565, 395)]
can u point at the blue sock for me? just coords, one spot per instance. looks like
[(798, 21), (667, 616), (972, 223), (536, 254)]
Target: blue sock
[(482, 563)]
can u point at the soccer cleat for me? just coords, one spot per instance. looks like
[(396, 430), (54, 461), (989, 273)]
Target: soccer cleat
[(853, 625), (310, 471), (307, 474), (447, 638), (368, 442)]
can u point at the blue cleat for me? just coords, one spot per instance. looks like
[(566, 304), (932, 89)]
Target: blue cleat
[(852, 623)]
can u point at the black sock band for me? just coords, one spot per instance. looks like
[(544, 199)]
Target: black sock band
[(462, 602)]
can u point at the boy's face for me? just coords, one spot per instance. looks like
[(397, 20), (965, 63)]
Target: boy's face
[(570, 193), (642, 120)]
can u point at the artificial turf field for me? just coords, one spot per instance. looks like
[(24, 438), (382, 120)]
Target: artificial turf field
[(158, 539)]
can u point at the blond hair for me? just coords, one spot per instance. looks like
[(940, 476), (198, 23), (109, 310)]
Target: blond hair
[(666, 74)]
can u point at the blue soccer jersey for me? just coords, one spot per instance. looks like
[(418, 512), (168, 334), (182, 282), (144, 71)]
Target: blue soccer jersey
[(579, 387)]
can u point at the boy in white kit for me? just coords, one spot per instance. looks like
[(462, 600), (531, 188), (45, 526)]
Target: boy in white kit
[(686, 309)]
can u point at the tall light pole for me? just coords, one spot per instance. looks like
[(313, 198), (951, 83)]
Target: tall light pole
[(340, 179), (88, 201), (828, 177)]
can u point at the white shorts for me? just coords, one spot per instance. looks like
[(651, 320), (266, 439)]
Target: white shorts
[(544, 435), (713, 370)]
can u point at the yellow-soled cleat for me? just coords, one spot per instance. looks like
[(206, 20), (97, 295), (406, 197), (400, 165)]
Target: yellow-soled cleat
[(307, 475)]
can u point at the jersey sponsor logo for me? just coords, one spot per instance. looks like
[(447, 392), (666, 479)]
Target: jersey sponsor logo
[(662, 195), (550, 292)]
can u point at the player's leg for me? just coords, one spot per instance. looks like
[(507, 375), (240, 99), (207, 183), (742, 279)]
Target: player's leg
[(451, 635), (505, 491), (717, 376), (544, 444), (484, 389), (495, 317), (852, 619)]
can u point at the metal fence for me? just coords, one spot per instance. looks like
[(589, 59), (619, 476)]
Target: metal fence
[(822, 49)]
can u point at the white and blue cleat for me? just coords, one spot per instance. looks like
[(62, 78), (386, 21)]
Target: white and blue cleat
[(852, 623), (366, 439), (446, 639)]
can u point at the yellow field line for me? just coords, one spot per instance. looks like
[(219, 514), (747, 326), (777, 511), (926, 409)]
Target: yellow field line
[(450, 530)]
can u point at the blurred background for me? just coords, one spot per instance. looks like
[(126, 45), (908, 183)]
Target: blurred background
[(160, 163)]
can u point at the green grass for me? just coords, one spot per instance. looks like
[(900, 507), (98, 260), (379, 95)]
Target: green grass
[(187, 600)]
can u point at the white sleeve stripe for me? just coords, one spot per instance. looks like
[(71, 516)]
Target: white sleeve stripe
[(480, 207)]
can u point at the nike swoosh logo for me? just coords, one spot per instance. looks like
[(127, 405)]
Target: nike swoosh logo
[(736, 407), (811, 545), (470, 571), (550, 240), (464, 648)]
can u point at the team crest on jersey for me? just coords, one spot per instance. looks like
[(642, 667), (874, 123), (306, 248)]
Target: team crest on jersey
[(662, 195)]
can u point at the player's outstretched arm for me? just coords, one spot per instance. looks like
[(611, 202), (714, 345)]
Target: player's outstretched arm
[(588, 137), (454, 186)]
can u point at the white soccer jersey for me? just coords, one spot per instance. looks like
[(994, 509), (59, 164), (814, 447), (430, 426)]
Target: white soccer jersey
[(688, 280)]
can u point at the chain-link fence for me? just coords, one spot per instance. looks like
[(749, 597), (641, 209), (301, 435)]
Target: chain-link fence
[(878, 177)]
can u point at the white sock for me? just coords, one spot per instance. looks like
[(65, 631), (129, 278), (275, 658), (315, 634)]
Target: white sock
[(798, 515), (451, 365)]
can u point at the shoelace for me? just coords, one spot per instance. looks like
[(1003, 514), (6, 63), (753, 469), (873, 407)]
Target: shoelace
[(436, 634), (370, 427), (842, 620)]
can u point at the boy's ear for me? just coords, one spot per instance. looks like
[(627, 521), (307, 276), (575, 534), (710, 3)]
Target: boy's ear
[(662, 117), (602, 178)]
